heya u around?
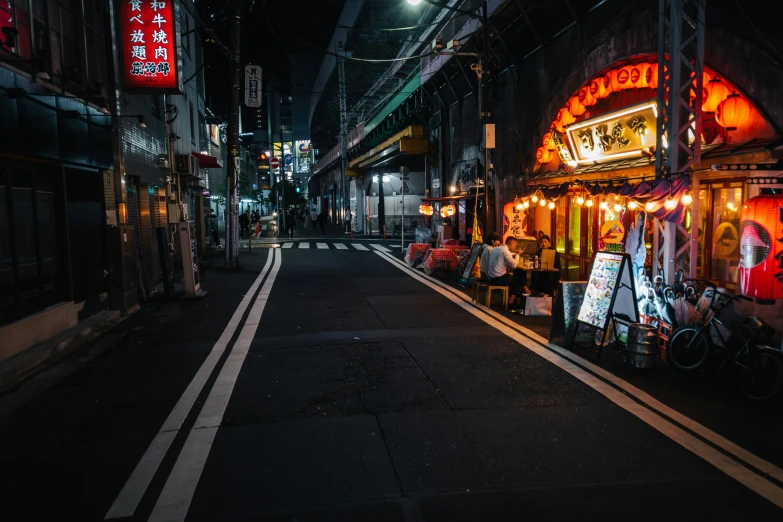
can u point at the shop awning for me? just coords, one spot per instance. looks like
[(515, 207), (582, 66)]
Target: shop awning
[(205, 161), (412, 140), (453, 198)]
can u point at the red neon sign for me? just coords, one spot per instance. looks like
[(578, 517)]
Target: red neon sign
[(149, 53)]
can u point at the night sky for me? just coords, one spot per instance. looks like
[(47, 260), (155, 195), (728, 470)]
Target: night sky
[(311, 20)]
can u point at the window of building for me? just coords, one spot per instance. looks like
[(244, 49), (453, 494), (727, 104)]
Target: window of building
[(725, 224), (186, 34)]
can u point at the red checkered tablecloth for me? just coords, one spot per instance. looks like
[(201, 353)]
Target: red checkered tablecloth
[(456, 248), (415, 251), (444, 257)]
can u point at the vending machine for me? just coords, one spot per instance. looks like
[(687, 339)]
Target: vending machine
[(187, 238)]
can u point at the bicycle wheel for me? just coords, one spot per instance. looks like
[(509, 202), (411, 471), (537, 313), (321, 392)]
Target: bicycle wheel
[(688, 348), (761, 377)]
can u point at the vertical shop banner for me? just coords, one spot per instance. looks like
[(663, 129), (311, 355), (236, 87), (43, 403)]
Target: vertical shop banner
[(149, 51), (253, 86)]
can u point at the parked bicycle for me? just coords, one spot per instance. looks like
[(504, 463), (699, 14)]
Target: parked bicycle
[(759, 368)]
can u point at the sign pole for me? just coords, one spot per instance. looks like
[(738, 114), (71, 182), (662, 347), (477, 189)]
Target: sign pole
[(232, 232)]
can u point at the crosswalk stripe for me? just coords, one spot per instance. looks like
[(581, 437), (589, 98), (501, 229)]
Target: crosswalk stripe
[(322, 245), (380, 248), (340, 246), (357, 246), (288, 245), (304, 245)]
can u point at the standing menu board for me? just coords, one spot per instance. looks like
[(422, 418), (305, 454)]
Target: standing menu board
[(610, 294), (475, 252)]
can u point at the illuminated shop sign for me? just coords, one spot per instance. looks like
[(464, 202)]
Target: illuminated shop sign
[(617, 135), (149, 50), (214, 134)]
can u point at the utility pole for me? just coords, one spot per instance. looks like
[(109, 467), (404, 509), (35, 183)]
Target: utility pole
[(483, 110), (283, 182), (343, 121), (232, 231)]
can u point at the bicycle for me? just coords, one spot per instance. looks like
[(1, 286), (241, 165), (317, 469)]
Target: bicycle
[(759, 368)]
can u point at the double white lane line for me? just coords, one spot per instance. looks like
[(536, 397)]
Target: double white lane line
[(733, 460), (174, 500)]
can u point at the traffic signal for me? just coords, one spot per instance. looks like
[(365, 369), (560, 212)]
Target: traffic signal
[(263, 156)]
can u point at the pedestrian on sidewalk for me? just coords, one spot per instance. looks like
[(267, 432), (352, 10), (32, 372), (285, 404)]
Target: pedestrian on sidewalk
[(213, 221), (322, 221), (290, 223), (314, 217), (308, 222), (244, 222)]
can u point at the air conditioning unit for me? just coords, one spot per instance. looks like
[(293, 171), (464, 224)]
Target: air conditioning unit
[(183, 165)]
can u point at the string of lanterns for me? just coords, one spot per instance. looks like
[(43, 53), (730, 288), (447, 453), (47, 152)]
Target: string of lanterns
[(731, 109), (582, 198), (445, 211)]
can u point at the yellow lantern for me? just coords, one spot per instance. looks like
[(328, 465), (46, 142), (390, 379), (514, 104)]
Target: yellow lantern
[(732, 112), (575, 107), (451, 210), (586, 98), (547, 141), (604, 86), (652, 76), (565, 116), (716, 93), (543, 155)]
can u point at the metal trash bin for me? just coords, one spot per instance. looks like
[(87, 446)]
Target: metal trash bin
[(642, 346)]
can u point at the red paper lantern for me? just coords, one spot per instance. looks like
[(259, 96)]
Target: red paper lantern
[(575, 108), (543, 155), (717, 91), (761, 246), (564, 117), (732, 112)]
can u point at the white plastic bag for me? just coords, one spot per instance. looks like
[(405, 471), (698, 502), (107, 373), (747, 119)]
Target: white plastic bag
[(538, 305)]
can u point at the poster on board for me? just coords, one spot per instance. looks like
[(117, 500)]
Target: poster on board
[(475, 252), (610, 294), (568, 300)]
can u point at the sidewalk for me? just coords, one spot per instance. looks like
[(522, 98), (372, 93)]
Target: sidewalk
[(709, 398)]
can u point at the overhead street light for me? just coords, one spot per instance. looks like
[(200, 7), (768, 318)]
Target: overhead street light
[(414, 2)]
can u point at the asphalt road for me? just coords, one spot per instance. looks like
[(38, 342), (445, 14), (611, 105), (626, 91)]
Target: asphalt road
[(328, 383)]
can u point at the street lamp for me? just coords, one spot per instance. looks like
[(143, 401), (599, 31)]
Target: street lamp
[(414, 2)]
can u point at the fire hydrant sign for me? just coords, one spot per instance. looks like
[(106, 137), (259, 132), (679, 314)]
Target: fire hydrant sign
[(149, 50)]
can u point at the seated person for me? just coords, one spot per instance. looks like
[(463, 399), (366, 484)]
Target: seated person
[(502, 271), (493, 240), (544, 243)]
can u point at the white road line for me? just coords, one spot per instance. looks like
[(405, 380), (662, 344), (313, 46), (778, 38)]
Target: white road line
[(128, 500), (642, 396), (727, 465), (304, 245), (322, 246), (288, 245), (380, 248), (340, 246), (174, 501), (357, 246)]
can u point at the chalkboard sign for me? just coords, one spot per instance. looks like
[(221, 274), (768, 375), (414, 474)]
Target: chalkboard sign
[(475, 252), (610, 295), (568, 301)]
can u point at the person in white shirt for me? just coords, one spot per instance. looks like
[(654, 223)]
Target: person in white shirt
[(502, 269), (493, 240)]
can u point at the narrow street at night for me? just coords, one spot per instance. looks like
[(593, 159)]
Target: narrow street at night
[(330, 384), (391, 261)]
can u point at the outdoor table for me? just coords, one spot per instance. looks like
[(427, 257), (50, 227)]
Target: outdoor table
[(439, 257), (416, 251), (456, 248), (543, 280)]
